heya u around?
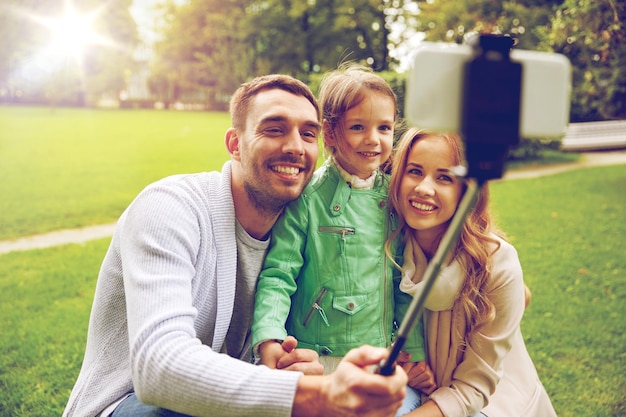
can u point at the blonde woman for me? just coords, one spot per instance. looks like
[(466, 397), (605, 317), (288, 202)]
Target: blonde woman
[(474, 345)]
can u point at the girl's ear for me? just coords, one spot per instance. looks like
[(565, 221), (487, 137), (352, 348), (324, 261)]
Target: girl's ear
[(328, 134), (232, 144)]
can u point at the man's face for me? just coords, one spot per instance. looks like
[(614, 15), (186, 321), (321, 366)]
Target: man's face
[(279, 148)]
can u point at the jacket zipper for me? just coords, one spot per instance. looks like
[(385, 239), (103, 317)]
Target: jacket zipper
[(342, 230), (317, 307), (385, 279)]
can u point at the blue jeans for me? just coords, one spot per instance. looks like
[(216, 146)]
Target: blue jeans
[(410, 403), (132, 407), (413, 401)]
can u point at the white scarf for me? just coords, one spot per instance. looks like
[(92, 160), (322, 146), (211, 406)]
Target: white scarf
[(354, 181), (446, 287)]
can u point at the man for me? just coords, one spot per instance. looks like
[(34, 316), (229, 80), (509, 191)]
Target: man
[(175, 293)]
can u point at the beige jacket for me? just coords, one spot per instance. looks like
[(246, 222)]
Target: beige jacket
[(489, 370)]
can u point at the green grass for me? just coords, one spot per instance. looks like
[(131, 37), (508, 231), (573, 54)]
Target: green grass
[(67, 168), (569, 230), (546, 157), (45, 300)]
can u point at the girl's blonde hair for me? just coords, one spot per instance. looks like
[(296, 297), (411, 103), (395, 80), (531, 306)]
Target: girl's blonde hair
[(345, 88), (475, 246)]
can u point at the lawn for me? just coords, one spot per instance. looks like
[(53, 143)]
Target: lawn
[(67, 168), (569, 230)]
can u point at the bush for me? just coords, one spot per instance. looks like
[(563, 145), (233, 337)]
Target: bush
[(529, 149)]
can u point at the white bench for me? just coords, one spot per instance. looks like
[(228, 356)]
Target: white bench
[(592, 136)]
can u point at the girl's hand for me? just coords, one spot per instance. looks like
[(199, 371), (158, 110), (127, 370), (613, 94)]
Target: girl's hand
[(284, 355), (271, 351)]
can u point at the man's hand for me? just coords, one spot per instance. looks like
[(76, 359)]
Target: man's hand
[(353, 389), (275, 354)]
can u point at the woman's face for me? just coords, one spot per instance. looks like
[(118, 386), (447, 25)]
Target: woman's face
[(429, 193)]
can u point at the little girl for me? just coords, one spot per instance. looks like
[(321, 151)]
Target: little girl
[(326, 279), (473, 312)]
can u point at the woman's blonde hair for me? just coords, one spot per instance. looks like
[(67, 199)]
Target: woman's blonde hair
[(345, 88), (475, 245)]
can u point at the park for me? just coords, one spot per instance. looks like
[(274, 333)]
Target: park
[(67, 165), (75, 167)]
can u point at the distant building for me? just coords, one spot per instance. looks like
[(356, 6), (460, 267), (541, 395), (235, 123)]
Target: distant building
[(137, 93)]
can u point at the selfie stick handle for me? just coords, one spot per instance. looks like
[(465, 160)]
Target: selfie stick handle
[(448, 242)]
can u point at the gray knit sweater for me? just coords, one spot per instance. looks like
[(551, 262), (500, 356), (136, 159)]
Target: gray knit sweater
[(157, 323)]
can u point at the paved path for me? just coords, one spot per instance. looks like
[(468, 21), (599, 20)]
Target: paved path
[(86, 234), (588, 159), (57, 238)]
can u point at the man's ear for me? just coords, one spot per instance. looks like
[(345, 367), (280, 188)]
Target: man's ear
[(232, 143)]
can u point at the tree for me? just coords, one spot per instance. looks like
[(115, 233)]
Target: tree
[(106, 66), (316, 35), (213, 45), (452, 21), (592, 33), (36, 66), (202, 55)]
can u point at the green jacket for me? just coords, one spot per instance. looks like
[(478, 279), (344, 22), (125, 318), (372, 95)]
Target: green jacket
[(326, 279)]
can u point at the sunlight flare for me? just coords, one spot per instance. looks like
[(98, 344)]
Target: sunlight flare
[(73, 32)]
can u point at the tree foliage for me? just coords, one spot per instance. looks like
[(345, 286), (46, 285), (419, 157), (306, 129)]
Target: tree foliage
[(451, 21), (592, 33), (214, 45), (202, 48), (30, 70), (209, 47)]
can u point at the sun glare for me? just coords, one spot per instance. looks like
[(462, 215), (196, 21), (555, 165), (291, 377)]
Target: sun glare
[(72, 32)]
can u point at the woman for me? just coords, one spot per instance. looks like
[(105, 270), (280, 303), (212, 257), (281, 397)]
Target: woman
[(472, 315)]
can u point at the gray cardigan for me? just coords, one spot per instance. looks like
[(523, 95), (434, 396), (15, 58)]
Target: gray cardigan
[(157, 324)]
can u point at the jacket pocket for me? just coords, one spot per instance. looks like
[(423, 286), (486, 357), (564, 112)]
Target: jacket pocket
[(350, 304)]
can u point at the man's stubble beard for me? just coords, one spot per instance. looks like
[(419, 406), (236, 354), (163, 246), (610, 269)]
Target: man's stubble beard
[(266, 198), (264, 201)]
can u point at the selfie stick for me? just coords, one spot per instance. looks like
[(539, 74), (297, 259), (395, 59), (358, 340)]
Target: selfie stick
[(489, 125)]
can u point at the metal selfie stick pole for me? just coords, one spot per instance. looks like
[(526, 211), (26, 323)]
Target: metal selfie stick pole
[(490, 125), (416, 308)]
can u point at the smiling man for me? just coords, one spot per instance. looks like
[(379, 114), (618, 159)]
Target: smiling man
[(169, 327), (273, 144)]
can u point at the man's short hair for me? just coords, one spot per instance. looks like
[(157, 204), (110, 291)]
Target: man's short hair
[(240, 101)]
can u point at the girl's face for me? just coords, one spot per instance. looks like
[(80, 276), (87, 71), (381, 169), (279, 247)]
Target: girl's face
[(366, 137), (429, 193)]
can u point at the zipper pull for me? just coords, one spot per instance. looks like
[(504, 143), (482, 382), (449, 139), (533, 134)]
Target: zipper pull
[(322, 314), (316, 306)]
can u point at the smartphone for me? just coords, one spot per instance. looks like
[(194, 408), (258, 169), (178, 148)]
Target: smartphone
[(434, 89)]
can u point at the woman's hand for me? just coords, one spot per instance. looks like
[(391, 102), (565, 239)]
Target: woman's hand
[(420, 375)]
